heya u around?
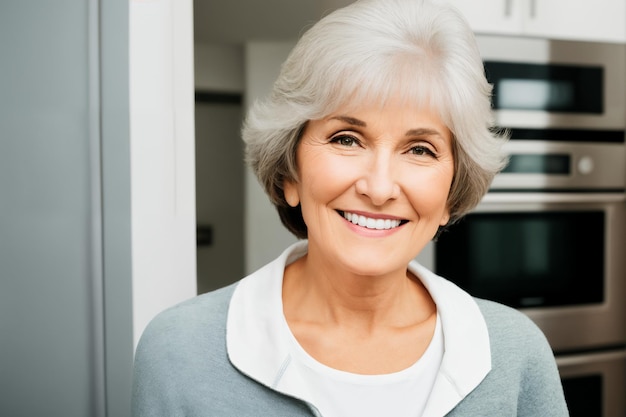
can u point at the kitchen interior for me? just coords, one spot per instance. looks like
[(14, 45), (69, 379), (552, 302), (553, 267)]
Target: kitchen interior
[(98, 214), (548, 238)]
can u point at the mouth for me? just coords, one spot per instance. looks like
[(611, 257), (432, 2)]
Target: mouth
[(371, 223)]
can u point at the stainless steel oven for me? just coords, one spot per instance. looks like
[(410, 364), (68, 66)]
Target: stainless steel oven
[(559, 257), (549, 238), (594, 383)]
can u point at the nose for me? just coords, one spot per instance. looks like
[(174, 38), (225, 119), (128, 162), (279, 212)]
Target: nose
[(379, 180)]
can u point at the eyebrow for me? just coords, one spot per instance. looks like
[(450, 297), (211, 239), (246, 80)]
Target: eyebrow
[(423, 132), (350, 120), (411, 132)]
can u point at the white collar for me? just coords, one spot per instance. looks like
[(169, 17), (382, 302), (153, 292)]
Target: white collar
[(258, 348)]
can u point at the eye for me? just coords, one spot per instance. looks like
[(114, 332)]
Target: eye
[(421, 150), (345, 140)]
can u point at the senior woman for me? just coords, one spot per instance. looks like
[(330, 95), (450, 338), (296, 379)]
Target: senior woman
[(377, 134)]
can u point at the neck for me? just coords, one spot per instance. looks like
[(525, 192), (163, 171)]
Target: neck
[(314, 292)]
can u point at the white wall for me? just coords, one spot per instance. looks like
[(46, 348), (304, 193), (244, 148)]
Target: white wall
[(219, 68), (162, 157), (265, 236)]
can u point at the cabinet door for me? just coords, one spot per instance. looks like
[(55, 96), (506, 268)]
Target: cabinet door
[(493, 16), (587, 20)]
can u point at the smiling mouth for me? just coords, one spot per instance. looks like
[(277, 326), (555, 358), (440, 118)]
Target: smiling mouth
[(370, 223)]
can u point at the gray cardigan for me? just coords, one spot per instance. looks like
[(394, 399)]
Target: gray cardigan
[(182, 369)]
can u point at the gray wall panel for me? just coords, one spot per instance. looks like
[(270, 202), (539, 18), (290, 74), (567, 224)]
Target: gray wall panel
[(46, 341)]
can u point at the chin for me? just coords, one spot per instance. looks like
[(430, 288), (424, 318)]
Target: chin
[(374, 266)]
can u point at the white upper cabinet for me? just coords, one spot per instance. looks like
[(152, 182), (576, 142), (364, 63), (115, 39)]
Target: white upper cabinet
[(493, 16), (585, 20)]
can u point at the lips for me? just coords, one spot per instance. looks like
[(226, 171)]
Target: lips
[(372, 223)]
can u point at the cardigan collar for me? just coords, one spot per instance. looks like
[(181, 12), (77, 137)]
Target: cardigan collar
[(260, 348)]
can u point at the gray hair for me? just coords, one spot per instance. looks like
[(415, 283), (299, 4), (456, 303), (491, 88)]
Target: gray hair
[(372, 50)]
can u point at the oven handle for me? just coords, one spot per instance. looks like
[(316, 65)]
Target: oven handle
[(531, 197), (584, 359)]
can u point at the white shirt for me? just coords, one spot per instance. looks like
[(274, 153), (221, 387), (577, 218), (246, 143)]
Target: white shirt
[(343, 394)]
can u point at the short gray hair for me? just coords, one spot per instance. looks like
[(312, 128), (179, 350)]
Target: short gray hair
[(373, 50)]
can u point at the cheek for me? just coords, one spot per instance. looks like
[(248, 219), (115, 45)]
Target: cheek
[(325, 178), (430, 190)]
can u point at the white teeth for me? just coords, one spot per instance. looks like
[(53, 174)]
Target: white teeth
[(378, 224)]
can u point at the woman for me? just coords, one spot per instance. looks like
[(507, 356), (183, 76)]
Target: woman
[(376, 136)]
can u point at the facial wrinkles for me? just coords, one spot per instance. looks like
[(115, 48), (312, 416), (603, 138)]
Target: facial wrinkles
[(386, 145), (329, 171), (311, 154)]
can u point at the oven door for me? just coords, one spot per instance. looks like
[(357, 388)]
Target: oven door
[(594, 383), (558, 257)]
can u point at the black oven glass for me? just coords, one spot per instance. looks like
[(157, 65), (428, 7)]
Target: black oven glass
[(583, 395), (554, 164), (526, 259), (546, 87)]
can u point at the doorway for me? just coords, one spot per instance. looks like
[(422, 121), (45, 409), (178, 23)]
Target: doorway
[(219, 190)]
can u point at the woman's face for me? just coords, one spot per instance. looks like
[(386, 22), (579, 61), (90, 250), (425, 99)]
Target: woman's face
[(373, 186)]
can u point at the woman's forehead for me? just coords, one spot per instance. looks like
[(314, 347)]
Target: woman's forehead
[(359, 100)]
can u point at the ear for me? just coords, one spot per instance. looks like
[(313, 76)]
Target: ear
[(291, 193), (445, 218)]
